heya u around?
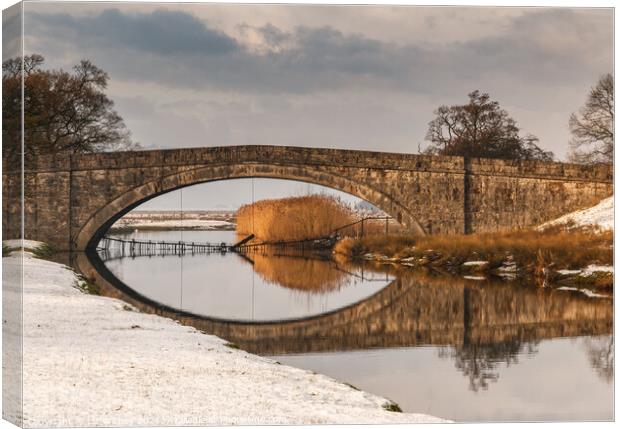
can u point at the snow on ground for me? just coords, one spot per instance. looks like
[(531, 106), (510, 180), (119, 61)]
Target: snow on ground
[(586, 292), (588, 271), (591, 269), (569, 272), (475, 263), (601, 216), (17, 244), (91, 360)]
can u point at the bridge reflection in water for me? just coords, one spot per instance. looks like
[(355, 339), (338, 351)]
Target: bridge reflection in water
[(414, 309), (419, 310)]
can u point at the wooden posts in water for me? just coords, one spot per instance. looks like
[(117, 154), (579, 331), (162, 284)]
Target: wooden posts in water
[(135, 247), (150, 248), (244, 241)]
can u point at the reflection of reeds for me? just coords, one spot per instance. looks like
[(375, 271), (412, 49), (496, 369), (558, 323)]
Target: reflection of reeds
[(295, 218), (300, 273)]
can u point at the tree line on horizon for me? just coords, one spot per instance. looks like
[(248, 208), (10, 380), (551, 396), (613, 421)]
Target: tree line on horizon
[(70, 112)]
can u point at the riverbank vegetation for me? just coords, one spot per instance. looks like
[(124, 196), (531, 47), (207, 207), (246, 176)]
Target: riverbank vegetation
[(294, 218), (556, 254)]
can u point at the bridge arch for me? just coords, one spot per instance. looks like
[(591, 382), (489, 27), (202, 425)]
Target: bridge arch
[(70, 199), (101, 220)]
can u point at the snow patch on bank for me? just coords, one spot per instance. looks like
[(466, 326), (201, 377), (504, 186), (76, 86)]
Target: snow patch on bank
[(474, 277), (591, 269), (586, 292), (600, 216), (588, 271), (27, 244), (475, 263), (91, 361)]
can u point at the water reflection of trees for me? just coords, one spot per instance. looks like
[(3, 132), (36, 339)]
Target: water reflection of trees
[(501, 322), (481, 362), (600, 353)]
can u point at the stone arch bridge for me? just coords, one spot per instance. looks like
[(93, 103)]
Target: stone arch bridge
[(71, 200)]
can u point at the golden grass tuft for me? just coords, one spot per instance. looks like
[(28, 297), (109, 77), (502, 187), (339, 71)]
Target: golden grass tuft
[(564, 249), (295, 218)]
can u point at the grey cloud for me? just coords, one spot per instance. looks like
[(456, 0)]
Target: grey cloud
[(160, 32), (185, 51), (274, 37), (549, 37), (181, 49)]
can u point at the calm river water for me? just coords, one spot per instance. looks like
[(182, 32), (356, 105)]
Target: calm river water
[(455, 348)]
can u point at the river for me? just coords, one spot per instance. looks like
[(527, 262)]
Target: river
[(446, 346)]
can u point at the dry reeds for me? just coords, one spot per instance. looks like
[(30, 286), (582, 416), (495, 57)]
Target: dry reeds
[(295, 218), (565, 249), (372, 226)]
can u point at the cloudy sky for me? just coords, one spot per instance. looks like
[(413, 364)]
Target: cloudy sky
[(359, 77)]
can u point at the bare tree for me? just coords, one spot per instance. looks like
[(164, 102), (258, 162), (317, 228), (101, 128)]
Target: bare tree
[(480, 128), (63, 112), (592, 128)]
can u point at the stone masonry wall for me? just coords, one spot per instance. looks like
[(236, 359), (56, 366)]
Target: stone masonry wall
[(504, 195), (70, 199)]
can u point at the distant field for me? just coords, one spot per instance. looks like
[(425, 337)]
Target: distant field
[(164, 220), (176, 214)]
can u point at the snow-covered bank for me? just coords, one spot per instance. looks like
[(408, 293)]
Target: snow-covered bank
[(91, 360), (589, 270), (600, 216)]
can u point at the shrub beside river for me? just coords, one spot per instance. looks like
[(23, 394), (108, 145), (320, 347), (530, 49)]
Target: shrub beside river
[(295, 218), (577, 257)]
